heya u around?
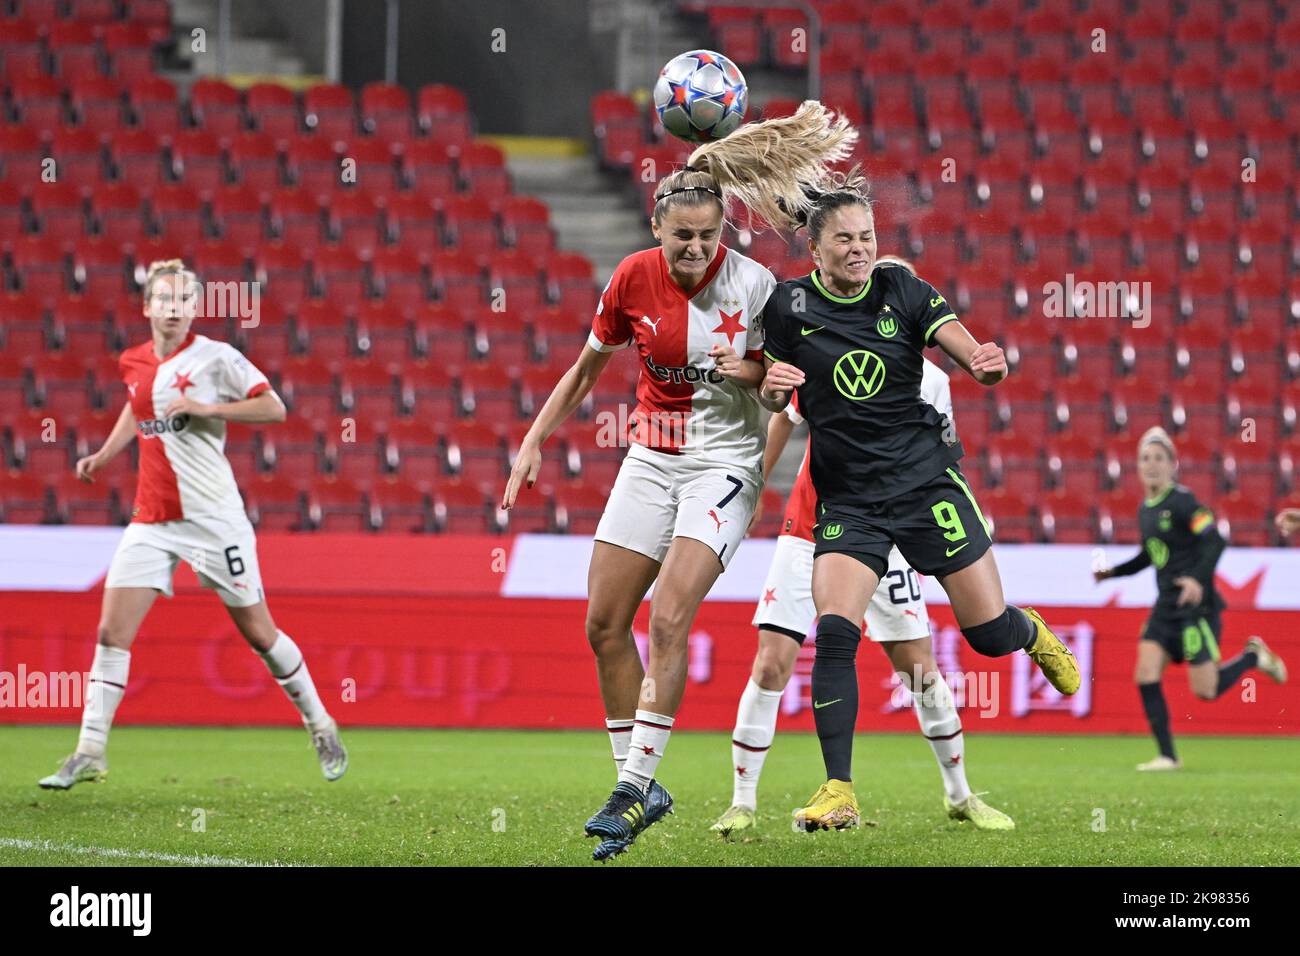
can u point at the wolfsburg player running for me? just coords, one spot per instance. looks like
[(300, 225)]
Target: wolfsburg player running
[(1179, 537), (897, 620), (182, 390), (693, 471), (884, 465)]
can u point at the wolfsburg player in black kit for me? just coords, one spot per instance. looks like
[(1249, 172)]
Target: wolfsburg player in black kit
[(884, 465), (1180, 539)]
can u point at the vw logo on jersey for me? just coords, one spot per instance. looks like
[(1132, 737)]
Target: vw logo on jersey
[(859, 375), (887, 327)]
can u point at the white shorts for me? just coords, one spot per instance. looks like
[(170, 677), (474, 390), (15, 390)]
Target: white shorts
[(658, 497), (221, 549), (896, 612)]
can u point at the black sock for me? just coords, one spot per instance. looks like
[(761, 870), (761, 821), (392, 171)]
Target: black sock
[(1231, 672), (1011, 631), (1153, 702), (835, 692)]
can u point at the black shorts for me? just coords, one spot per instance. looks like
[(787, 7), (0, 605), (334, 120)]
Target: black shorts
[(937, 526), (1189, 637)]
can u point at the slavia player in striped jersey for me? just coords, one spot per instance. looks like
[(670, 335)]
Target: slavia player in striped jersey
[(182, 389), (693, 472), (897, 620)]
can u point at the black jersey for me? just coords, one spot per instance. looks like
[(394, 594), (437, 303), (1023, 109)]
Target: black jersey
[(1179, 537), (872, 435)]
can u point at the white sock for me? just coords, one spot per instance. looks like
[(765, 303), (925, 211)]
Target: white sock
[(755, 728), (646, 748), (289, 668), (103, 692), (620, 736), (941, 726)]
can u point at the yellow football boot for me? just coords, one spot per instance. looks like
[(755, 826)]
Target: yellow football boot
[(1053, 657), (832, 807)]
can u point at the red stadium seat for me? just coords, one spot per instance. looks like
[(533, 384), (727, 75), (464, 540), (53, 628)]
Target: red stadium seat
[(240, 217), (273, 110), (313, 165), (218, 107), (197, 161), (296, 218), (119, 215), (443, 114), (129, 48), (399, 278), (96, 104), (137, 156), (386, 111), (354, 222), (328, 110), (482, 167), (153, 101)]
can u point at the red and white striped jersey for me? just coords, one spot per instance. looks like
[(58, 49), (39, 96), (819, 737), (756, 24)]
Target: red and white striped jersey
[(801, 506), (184, 472), (684, 406)]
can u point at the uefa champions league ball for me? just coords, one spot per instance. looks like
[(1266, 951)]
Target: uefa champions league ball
[(701, 96)]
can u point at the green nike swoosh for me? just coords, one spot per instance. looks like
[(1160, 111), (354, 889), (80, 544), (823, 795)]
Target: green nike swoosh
[(808, 331), (817, 706), (951, 551), (934, 302)]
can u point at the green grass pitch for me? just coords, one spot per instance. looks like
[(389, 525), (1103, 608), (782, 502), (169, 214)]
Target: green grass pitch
[(519, 798)]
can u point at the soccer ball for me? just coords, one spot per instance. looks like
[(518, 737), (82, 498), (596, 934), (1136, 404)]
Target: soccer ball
[(701, 96)]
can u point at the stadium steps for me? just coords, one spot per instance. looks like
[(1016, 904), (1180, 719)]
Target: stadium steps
[(589, 211), (256, 45)]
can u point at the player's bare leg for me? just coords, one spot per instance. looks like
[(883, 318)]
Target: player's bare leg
[(289, 668), (995, 629), (756, 725), (688, 571), (1152, 659), (842, 587), (936, 712), (122, 613), (617, 581)]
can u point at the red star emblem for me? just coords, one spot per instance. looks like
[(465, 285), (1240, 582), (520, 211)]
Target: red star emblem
[(956, 759), (648, 750), (730, 324), (740, 771), (769, 595), (182, 382)]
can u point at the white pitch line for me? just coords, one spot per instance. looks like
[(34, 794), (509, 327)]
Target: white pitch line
[(196, 859)]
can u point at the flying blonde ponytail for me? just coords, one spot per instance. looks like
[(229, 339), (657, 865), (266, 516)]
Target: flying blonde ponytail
[(777, 168)]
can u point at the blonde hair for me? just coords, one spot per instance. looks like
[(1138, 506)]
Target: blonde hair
[(1156, 435), (776, 168), (889, 259), (161, 268)]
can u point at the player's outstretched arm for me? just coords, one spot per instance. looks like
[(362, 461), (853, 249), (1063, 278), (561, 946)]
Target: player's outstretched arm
[(985, 362), (567, 395), (782, 379), (258, 410), (121, 435), (1132, 566)]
